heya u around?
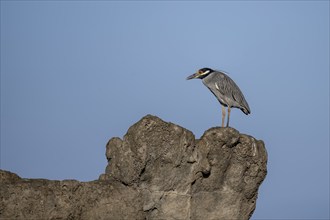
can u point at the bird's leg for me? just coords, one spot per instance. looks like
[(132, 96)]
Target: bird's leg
[(223, 115), (228, 116)]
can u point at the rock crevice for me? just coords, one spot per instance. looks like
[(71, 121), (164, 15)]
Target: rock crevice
[(157, 171)]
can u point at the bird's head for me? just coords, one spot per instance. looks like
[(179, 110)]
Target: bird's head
[(200, 74)]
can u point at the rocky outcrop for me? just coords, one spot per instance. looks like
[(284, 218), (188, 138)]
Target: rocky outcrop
[(157, 171)]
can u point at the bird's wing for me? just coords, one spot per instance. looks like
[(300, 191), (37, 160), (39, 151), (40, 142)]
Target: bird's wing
[(226, 86)]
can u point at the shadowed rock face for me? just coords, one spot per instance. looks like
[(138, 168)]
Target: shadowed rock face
[(157, 171)]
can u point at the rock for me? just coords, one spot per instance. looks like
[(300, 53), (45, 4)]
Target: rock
[(8, 177), (157, 171), (68, 199)]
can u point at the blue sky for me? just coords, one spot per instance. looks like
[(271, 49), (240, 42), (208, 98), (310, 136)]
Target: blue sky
[(74, 74)]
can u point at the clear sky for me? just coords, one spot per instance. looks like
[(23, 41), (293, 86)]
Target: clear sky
[(74, 74)]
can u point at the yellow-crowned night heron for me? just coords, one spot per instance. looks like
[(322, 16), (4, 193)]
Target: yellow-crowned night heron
[(224, 89)]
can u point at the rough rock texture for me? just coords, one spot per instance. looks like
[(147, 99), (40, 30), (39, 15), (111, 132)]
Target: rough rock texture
[(158, 171)]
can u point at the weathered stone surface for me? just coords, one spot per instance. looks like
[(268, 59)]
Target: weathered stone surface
[(157, 171), (68, 199)]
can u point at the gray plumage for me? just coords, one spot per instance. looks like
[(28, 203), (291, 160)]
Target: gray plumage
[(224, 89)]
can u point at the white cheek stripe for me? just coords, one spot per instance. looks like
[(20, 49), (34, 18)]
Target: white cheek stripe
[(216, 86), (206, 72)]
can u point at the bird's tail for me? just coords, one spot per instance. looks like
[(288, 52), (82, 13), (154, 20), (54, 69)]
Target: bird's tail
[(246, 111)]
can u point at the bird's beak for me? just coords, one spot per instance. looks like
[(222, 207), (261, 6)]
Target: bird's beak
[(193, 76)]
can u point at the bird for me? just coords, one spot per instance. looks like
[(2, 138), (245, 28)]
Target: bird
[(224, 89)]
